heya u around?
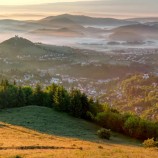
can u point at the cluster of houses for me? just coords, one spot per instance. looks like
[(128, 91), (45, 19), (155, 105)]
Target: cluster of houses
[(92, 88), (139, 55)]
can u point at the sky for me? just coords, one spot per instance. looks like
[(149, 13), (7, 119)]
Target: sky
[(120, 9), (24, 2)]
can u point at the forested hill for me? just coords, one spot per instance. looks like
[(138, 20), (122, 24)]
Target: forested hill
[(137, 94), (78, 105)]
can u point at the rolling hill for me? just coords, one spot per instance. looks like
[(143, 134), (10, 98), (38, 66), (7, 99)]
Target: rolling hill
[(19, 46), (11, 22), (63, 32), (24, 55), (140, 29), (64, 25), (17, 26), (16, 42), (136, 94), (126, 36), (145, 19), (31, 132), (86, 20), (67, 25), (60, 22)]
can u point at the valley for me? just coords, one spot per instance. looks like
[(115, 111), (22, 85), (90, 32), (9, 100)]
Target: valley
[(87, 53), (78, 79), (84, 32), (29, 63)]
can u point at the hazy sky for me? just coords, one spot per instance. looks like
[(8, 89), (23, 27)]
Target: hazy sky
[(22, 2), (97, 8)]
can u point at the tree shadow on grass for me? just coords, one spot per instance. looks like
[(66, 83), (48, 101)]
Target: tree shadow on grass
[(48, 121), (2, 125)]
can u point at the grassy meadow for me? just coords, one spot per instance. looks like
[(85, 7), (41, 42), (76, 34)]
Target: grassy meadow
[(40, 132)]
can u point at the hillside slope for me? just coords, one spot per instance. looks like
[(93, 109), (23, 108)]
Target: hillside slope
[(48, 121), (19, 46), (148, 31), (56, 140), (86, 20), (137, 94)]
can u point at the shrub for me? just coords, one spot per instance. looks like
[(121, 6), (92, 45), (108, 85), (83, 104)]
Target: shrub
[(110, 120), (17, 156), (104, 133), (100, 147), (131, 126), (149, 143), (90, 116)]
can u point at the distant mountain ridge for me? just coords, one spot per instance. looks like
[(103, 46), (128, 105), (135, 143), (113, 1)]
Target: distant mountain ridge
[(81, 26), (148, 31), (137, 27), (60, 21), (145, 19), (86, 20)]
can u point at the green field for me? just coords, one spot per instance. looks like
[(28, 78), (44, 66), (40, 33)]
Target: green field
[(43, 131), (46, 120)]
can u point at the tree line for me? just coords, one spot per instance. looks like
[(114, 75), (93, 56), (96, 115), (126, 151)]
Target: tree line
[(77, 104)]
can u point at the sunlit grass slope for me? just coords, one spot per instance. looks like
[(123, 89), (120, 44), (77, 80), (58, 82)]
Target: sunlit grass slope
[(40, 132)]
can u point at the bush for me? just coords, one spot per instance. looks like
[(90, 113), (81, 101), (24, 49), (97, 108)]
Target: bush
[(149, 143), (17, 156), (104, 133), (110, 120), (90, 116)]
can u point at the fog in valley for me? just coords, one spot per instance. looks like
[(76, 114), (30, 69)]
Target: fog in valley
[(92, 49), (78, 78), (99, 34)]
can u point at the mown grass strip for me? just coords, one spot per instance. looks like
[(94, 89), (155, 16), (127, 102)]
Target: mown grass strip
[(37, 147)]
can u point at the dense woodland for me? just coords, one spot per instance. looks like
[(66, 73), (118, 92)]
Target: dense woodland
[(137, 94), (78, 105)]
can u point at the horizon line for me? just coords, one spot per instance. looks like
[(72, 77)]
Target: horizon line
[(103, 17), (44, 3)]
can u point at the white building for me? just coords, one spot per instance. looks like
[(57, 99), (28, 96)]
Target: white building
[(145, 76)]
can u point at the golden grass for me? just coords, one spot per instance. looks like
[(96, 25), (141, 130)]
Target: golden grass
[(17, 136)]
